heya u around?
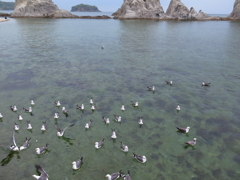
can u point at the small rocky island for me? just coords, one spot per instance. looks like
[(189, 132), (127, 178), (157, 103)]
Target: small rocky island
[(84, 8), (6, 5)]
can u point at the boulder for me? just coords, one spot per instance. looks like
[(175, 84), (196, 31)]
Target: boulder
[(140, 9), (39, 8), (177, 10), (236, 11)]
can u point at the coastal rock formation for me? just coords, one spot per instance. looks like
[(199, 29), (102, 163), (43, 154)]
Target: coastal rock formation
[(177, 9), (39, 8), (236, 11), (140, 9), (85, 8)]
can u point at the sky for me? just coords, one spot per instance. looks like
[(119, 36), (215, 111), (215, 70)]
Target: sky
[(207, 6)]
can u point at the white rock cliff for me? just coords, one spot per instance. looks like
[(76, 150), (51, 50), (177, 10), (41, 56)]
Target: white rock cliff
[(236, 11)]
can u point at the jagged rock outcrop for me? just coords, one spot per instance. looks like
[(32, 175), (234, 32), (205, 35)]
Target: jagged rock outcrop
[(236, 11), (140, 9), (152, 9), (39, 8)]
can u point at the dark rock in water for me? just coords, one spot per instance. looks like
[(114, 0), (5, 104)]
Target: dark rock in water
[(217, 173), (85, 8), (95, 17), (237, 159), (232, 174), (236, 11), (4, 15), (23, 75)]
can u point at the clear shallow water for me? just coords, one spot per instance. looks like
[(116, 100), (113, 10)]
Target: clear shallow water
[(62, 59)]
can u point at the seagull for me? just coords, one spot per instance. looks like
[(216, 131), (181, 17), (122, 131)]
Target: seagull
[(169, 82), (192, 143), (32, 103), (123, 108), (185, 130), (140, 122), (124, 147), (43, 176), (13, 108), (76, 164), (41, 150), (1, 116), (91, 100), (206, 83), (29, 126), (99, 144), (102, 47), (106, 120), (28, 110), (14, 146), (64, 111), (25, 145), (135, 104), (43, 128), (127, 177), (88, 125), (20, 117), (114, 135), (61, 132), (151, 88), (57, 103), (56, 115), (141, 159), (117, 118), (178, 108), (16, 127), (80, 107), (114, 176), (93, 107)]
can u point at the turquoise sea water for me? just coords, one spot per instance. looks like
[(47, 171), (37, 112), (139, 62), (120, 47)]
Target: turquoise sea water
[(61, 59)]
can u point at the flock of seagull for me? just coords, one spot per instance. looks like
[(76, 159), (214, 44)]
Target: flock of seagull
[(60, 132)]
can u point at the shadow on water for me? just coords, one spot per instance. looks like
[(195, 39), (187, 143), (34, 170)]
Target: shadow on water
[(9, 157), (67, 140)]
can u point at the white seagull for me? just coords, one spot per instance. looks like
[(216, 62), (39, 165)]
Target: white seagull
[(77, 164), (61, 132)]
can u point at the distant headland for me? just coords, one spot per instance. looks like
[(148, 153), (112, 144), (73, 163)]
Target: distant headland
[(6, 5), (85, 8)]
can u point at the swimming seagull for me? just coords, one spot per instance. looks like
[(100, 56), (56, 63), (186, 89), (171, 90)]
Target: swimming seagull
[(140, 122), (206, 83), (20, 117), (57, 103), (32, 103), (151, 88), (124, 147), (64, 111), (114, 176), (14, 146), (56, 115), (99, 144), (25, 144), (93, 107), (169, 82), (61, 132), (114, 135), (91, 100), (185, 130), (106, 120), (117, 118), (178, 108), (43, 127), (29, 126), (28, 110), (141, 159), (41, 150), (1, 116), (77, 164), (135, 104), (123, 108), (16, 127), (80, 107), (13, 108), (43, 176), (192, 143), (88, 125), (127, 177)]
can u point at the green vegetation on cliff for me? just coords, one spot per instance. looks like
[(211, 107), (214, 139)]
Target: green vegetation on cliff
[(6, 5), (85, 8)]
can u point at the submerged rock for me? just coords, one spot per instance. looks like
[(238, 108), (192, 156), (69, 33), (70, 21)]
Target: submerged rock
[(140, 9), (39, 8), (236, 11)]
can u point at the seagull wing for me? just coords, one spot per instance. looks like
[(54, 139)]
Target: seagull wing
[(59, 130), (44, 175), (67, 127), (14, 142)]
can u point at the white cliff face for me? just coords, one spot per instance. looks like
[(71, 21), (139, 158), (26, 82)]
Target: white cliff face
[(38, 8), (177, 9), (140, 9), (236, 11)]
